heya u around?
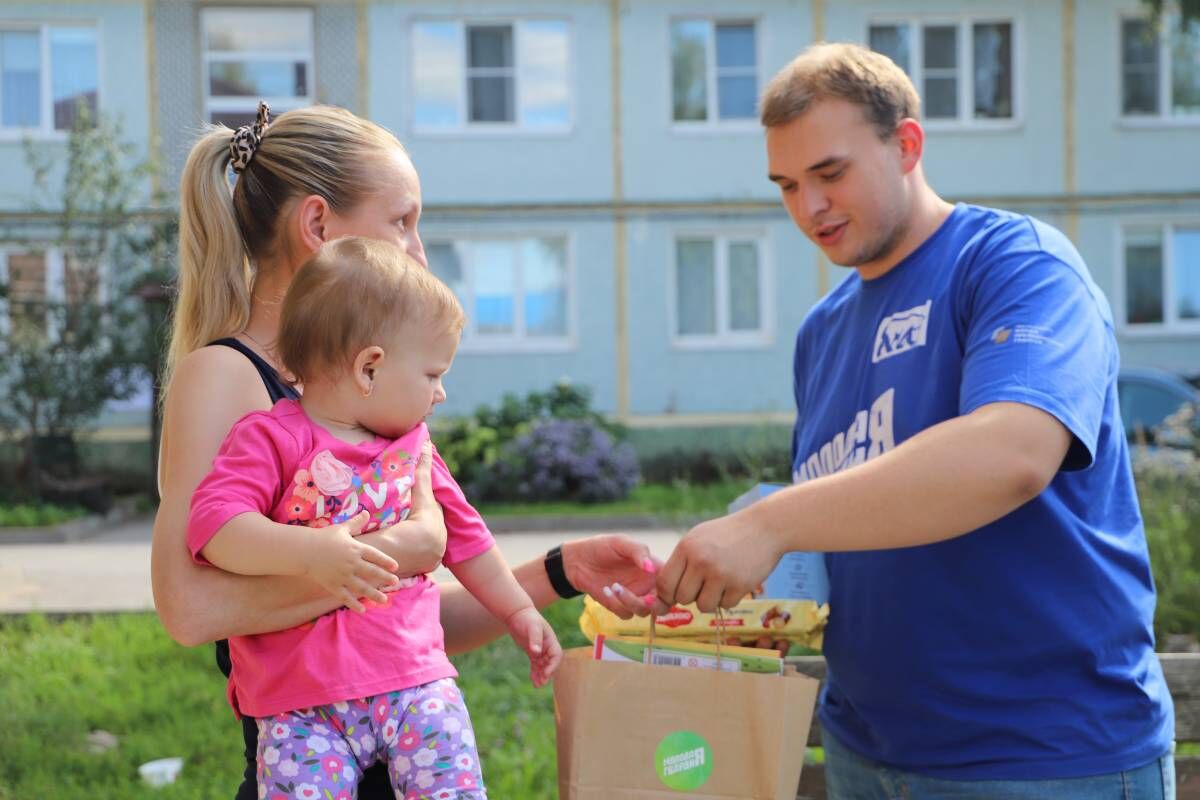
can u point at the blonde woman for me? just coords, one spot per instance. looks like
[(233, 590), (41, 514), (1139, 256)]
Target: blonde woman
[(311, 176)]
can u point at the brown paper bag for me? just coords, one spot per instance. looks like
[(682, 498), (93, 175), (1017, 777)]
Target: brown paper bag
[(656, 732)]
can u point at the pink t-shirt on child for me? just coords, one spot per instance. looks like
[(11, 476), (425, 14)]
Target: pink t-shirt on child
[(280, 464)]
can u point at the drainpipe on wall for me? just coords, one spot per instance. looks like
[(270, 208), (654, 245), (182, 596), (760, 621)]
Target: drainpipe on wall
[(1070, 189), (620, 256)]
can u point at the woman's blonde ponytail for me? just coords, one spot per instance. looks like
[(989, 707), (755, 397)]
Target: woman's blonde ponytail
[(215, 274)]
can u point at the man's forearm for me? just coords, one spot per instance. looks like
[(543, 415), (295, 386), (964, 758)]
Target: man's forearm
[(946, 481)]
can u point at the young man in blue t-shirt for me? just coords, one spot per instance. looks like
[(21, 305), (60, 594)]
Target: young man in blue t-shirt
[(959, 455)]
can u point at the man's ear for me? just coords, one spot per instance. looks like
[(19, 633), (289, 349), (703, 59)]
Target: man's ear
[(365, 365), (910, 138)]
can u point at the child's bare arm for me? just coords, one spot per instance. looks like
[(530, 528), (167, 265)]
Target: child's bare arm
[(252, 544), (488, 578)]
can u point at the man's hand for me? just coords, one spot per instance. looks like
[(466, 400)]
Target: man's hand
[(615, 570), (345, 567), (534, 635), (717, 564)]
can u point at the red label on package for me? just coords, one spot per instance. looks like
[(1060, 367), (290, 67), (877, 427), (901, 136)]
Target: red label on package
[(675, 617)]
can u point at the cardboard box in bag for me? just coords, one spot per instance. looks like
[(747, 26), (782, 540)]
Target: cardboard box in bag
[(641, 732)]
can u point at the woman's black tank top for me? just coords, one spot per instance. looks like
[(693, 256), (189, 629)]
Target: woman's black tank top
[(276, 386)]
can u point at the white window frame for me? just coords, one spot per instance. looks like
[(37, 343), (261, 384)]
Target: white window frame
[(229, 104), (483, 129), (55, 273), (47, 131), (518, 342), (1163, 118), (724, 338), (713, 121), (1171, 324), (966, 120)]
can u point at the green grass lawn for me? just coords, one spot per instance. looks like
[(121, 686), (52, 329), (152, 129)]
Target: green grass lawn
[(32, 515), (60, 679), (680, 499)]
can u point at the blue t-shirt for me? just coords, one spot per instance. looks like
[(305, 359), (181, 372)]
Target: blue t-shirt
[(1023, 649)]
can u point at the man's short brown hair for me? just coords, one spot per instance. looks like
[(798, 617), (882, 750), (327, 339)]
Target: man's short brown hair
[(841, 71), (356, 292)]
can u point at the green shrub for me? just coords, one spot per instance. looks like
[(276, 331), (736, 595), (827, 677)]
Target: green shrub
[(34, 515), (1169, 492), (471, 445)]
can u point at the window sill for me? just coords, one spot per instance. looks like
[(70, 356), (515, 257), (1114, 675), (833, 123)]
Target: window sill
[(516, 347), (761, 341), (1159, 122), (972, 126), (716, 127), (1151, 332), (33, 134), (493, 132)]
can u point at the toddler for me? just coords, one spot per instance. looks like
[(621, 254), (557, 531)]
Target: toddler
[(369, 334)]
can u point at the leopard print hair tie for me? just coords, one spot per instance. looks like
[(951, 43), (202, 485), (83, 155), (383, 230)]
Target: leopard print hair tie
[(247, 138)]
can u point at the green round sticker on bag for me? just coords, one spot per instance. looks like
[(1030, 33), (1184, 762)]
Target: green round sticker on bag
[(683, 760)]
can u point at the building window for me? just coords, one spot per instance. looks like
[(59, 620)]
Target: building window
[(253, 54), (964, 69), (1160, 69), (719, 290), (516, 291), (1161, 280), (714, 70), (507, 75), (46, 73)]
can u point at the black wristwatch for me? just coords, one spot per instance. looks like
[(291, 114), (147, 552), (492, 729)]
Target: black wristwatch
[(558, 575)]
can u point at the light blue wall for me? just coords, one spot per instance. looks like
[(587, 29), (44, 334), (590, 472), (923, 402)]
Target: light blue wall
[(1100, 245), (123, 88), (180, 77), (1116, 156), (1023, 159), (665, 161), (663, 164), (489, 167), (665, 379), (482, 377)]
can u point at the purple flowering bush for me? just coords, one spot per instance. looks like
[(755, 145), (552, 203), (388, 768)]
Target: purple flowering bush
[(564, 459)]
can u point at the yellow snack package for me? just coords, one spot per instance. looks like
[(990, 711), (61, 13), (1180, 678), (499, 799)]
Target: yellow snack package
[(798, 621)]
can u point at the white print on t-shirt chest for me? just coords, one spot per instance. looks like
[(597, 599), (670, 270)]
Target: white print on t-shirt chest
[(870, 434), (900, 332), (375, 497)]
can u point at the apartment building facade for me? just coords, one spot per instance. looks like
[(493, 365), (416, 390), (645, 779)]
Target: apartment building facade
[(594, 176)]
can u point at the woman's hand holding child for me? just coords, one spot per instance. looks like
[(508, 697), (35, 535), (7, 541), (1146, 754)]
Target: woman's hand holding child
[(347, 568)]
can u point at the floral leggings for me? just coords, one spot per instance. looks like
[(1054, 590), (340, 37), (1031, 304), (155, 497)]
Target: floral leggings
[(423, 734)]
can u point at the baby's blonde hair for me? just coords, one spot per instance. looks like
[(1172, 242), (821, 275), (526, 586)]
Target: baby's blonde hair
[(320, 150), (356, 292)]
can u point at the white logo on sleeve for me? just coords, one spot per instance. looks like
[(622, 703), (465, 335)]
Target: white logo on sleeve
[(901, 332)]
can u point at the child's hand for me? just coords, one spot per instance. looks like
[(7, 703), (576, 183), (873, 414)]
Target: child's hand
[(347, 568), (534, 635)]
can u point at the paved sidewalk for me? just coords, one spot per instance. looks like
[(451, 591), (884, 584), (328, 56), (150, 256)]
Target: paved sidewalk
[(111, 571)]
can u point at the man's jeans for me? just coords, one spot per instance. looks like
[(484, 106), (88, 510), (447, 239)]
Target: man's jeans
[(849, 776)]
